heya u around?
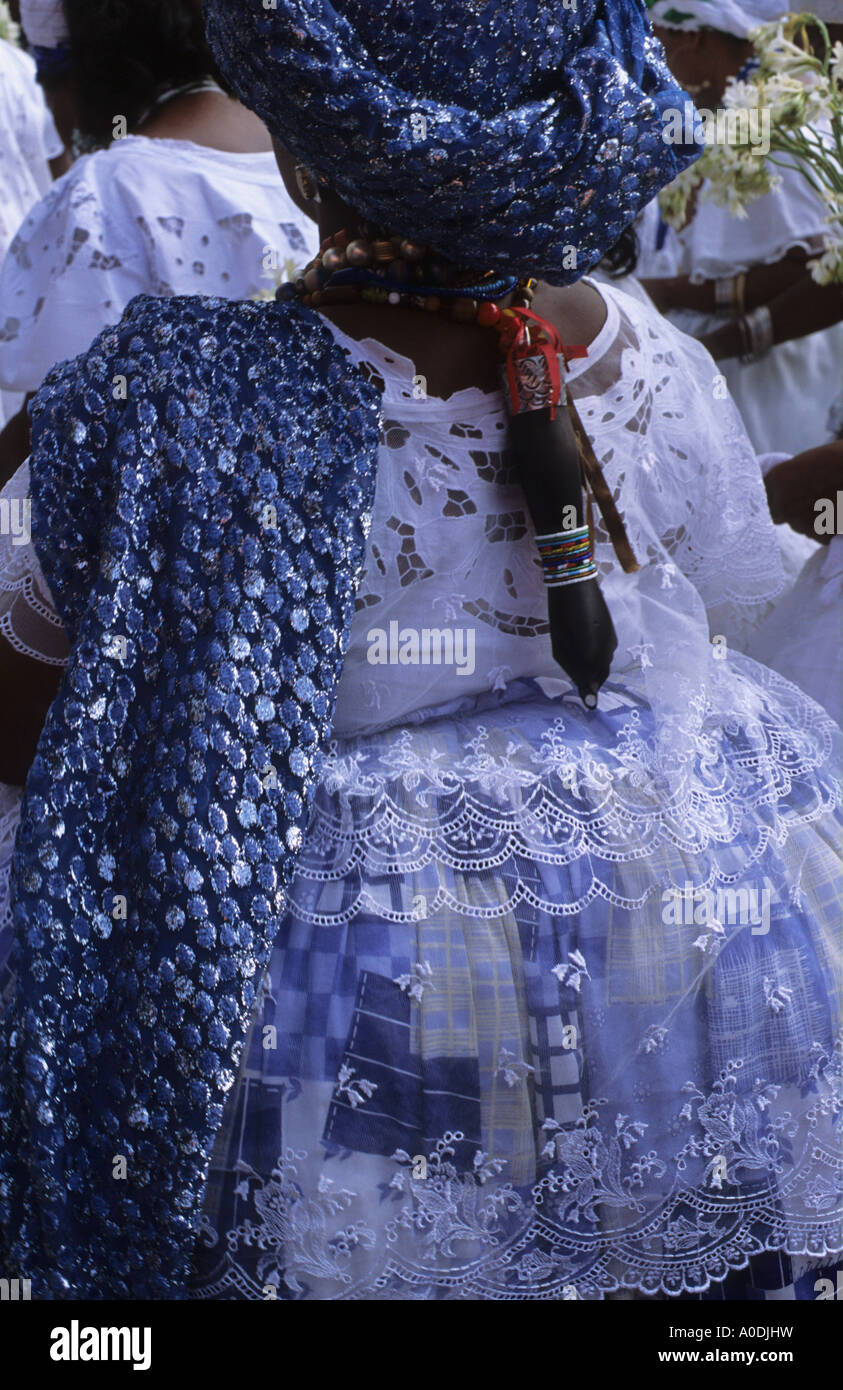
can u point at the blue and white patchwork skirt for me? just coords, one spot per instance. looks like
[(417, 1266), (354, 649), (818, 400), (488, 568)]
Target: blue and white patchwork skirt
[(537, 1026)]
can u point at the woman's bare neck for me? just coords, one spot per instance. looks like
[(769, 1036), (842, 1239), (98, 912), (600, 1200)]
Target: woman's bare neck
[(210, 119), (453, 356)]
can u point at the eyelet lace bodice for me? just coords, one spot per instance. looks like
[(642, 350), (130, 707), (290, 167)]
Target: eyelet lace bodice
[(451, 541)]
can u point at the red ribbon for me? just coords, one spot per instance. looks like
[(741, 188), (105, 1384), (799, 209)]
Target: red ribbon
[(516, 339)]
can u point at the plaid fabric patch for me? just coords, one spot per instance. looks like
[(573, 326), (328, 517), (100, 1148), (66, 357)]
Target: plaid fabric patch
[(557, 1061), (385, 1092), (766, 1008)]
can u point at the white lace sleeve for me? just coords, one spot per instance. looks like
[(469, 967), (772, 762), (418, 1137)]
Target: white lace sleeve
[(29, 621), (158, 217), (28, 617)]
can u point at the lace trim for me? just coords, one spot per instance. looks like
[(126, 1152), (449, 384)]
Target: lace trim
[(597, 1221), (22, 610), (399, 805)]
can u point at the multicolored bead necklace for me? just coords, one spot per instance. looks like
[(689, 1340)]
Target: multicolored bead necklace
[(376, 269), (567, 557), (395, 270)]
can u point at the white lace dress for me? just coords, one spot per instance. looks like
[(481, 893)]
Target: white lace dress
[(28, 141), (552, 1012), (158, 217)]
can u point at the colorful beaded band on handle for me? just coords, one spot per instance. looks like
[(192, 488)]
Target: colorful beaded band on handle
[(567, 557)]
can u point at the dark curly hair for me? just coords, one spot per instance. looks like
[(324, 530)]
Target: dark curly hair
[(128, 52)]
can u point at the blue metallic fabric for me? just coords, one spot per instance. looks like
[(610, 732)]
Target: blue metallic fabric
[(501, 132), (203, 539)]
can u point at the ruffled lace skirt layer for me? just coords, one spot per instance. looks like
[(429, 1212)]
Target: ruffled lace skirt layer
[(533, 1031)]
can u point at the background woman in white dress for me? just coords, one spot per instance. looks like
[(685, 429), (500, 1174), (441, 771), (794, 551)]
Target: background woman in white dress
[(29, 142), (187, 201), (786, 395), (802, 638)]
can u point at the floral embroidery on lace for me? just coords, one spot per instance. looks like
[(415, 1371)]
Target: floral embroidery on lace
[(608, 1213), (499, 797)]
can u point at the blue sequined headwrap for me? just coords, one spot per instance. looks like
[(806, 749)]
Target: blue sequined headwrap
[(501, 132)]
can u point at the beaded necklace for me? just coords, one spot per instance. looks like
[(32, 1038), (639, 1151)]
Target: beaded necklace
[(395, 270), (375, 269)]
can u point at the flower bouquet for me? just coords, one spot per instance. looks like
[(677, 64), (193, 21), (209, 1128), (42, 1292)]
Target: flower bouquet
[(8, 29), (799, 93)]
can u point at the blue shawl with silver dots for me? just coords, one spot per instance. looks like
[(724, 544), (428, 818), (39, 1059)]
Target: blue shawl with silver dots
[(201, 480)]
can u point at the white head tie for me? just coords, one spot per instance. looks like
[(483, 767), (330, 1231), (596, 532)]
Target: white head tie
[(44, 23), (737, 17)]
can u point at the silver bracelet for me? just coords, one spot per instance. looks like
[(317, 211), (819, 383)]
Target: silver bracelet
[(758, 329)]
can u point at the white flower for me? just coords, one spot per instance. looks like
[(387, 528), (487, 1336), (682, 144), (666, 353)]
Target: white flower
[(833, 199), (419, 979), (511, 1069), (777, 996), (498, 677), (778, 53), (828, 268), (357, 1089), (741, 95), (786, 98), (8, 29), (736, 176), (640, 651), (572, 975), (675, 198), (654, 1039), (712, 941)]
